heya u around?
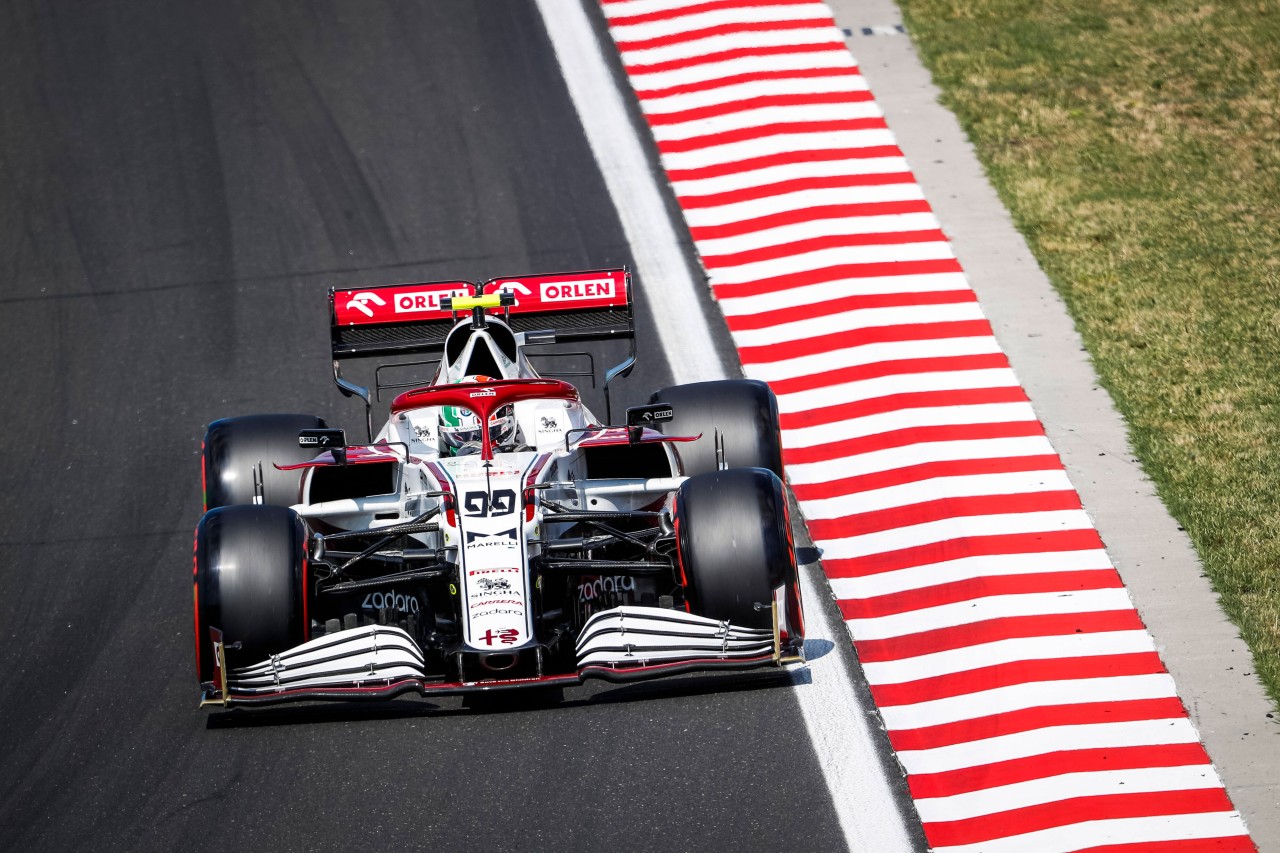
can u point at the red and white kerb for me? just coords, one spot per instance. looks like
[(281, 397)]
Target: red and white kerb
[(1024, 697)]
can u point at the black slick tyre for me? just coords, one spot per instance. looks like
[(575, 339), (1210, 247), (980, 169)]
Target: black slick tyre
[(733, 545), (233, 448), (743, 412), (250, 566)]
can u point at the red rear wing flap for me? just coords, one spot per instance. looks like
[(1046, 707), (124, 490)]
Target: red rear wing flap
[(407, 318), (601, 289), (395, 303)]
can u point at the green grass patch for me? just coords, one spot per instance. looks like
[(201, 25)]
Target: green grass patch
[(1137, 145)]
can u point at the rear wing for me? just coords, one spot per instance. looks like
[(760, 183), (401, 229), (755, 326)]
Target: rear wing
[(410, 319), (405, 319)]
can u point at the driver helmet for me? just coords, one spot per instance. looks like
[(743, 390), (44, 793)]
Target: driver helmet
[(459, 428)]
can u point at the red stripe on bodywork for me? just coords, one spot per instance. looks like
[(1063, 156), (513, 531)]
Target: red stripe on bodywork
[(195, 594), (306, 591)]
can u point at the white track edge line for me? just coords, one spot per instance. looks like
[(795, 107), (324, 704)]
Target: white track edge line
[(654, 244)]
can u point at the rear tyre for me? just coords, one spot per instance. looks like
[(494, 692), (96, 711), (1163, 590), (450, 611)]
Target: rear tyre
[(744, 412), (733, 544), (233, 447), (249, 583)]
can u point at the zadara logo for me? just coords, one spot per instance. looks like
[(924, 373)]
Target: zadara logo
[(360, 302), (604, 586), (390, 601), (496, 611)]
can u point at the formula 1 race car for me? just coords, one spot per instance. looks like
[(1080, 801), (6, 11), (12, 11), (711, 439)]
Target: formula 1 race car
[(493, 533)]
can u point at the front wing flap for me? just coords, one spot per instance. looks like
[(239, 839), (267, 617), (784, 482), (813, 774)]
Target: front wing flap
[(380, 662), (631, 636)]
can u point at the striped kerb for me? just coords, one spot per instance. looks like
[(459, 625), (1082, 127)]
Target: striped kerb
[(1022, 694)]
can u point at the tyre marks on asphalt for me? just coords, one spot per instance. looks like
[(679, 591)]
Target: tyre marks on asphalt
[(1026, 701)]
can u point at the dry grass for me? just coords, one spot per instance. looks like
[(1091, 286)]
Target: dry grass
[(1137, 144)]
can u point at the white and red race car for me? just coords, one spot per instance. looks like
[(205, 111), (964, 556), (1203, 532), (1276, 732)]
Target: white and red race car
[(494, 533)]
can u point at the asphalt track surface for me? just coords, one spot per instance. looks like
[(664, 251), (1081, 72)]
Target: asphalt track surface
[(180, 184)]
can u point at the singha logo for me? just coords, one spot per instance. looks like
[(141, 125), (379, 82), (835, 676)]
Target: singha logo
[(549, 425), (489, 585)]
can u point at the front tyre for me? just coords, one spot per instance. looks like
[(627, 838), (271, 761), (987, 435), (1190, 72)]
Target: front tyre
[(233, 448), (742, 412), (250, 567), (733, 544)]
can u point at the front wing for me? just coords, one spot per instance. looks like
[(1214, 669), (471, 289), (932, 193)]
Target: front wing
[(379, 662)]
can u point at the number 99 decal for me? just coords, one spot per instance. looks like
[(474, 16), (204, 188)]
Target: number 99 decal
[(500, 502)]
